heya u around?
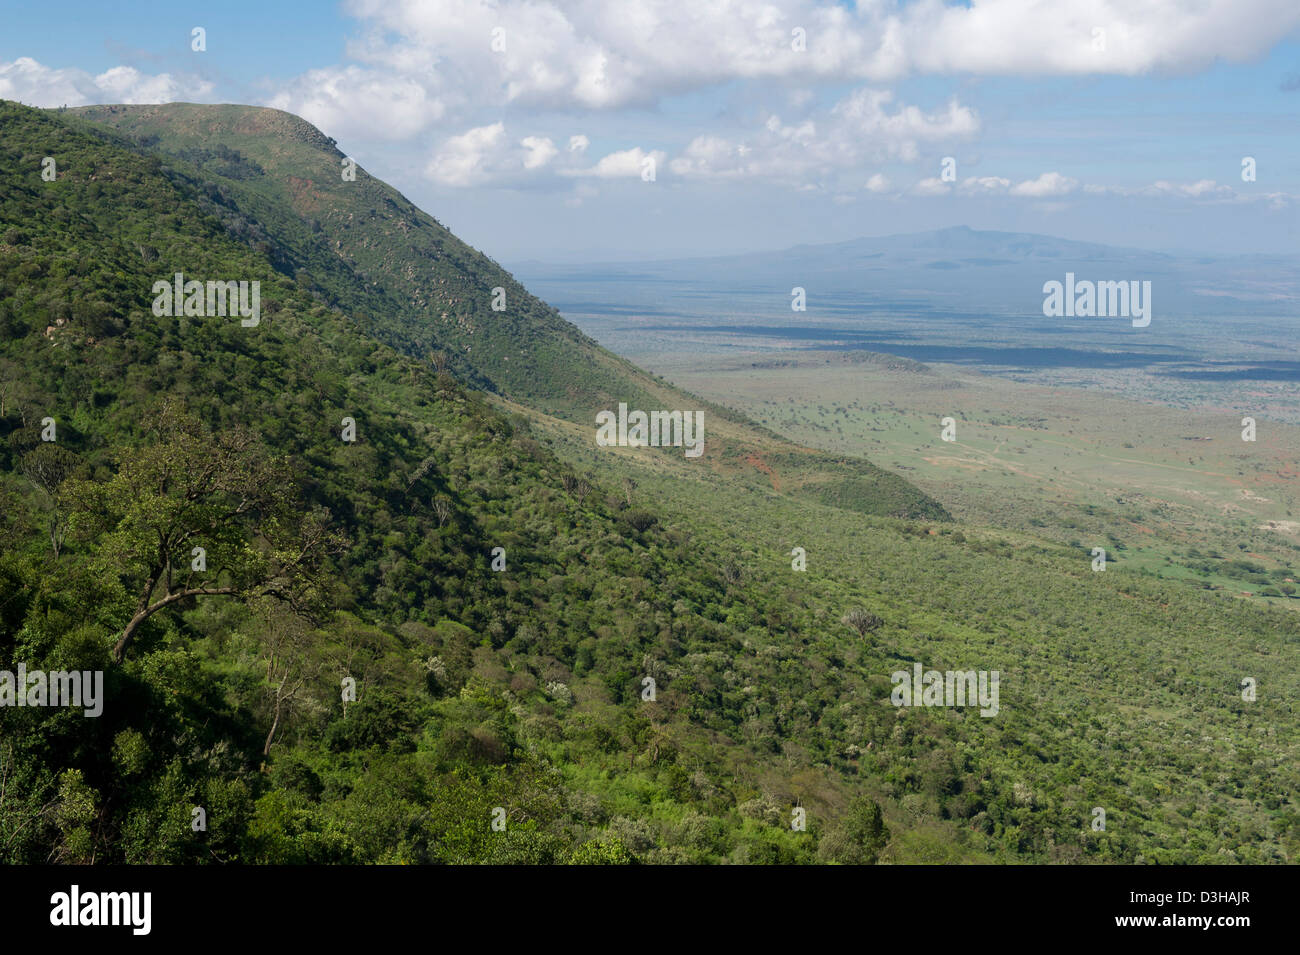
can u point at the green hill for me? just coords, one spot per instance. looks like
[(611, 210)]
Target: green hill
[(277, 184)]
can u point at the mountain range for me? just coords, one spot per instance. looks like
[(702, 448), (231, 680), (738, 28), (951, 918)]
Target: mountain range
[(959, 269)]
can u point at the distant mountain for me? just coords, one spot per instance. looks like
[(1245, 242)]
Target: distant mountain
[(959, 268)]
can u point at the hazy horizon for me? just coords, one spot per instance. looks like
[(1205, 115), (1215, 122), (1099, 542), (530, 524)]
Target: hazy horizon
[(607, 258)]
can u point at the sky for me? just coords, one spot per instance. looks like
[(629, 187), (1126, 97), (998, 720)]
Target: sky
[(543, 130)]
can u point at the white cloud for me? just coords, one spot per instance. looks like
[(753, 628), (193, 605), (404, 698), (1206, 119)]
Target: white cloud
[(471, 158), (589, 53), (419, 64), (711, 156), (24, 80), (352, 101), (1048, 184), (1201, 189), (860, 128), (624, 164), (877, 183), (1119, 37), (985, 184), (488, 155), (931, 187), (540, 151), (125, 84), (1204, 188), (863, 115)]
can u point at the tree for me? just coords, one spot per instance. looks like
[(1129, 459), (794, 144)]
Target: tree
[(442, 509), (27, 812), (197, 514), (578, 486), (290, 664), (859, 838), (861, 621), (17, 392), (11, 378), (606, 850), (46, 467)]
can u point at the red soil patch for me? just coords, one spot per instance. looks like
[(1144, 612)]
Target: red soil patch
[(754, 461)]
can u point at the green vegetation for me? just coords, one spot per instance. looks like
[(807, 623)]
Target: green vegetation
[(524, 689), (360, 246), (1083, 469)]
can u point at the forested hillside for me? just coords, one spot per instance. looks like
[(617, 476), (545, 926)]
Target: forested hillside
[(354, 673), (279, 185)]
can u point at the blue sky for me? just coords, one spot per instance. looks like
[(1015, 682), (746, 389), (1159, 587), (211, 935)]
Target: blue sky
[(1120, 122)]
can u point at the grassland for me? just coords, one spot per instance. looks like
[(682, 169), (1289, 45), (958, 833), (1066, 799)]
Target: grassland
[(1172, 492)]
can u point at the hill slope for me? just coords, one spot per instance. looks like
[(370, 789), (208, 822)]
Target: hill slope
[(277, 183)]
